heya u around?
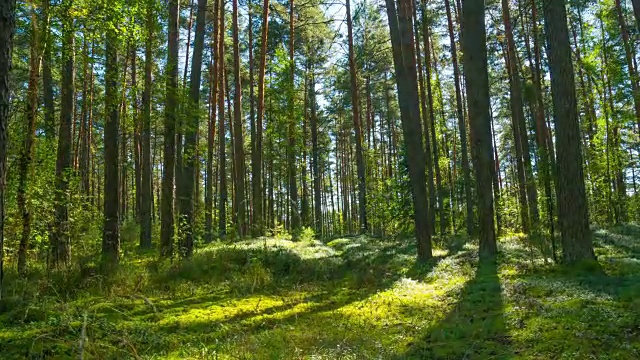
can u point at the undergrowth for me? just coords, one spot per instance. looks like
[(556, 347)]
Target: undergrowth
[(351, 298)]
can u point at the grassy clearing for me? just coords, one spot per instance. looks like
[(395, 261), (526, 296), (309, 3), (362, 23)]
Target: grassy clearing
[(353, 298)]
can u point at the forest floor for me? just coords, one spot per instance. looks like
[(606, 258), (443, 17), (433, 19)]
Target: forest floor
[(351, 298)]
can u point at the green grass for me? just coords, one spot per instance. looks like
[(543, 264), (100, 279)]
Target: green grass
[(355, 298)]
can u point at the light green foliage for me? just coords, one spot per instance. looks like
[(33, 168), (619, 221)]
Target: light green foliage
[(352, 298)]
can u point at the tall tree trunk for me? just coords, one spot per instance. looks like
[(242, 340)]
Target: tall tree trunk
[(211, 128), (474, 47), (123, 143), (187, 182), (7, 30), (137, 132), (462, 127), (47, 77), (146, 196), (404, 60), (60, 241), (237, 127), (315, 158), (171, 106), (257, 156), (517, 118), (83, 146), (188, 43), (26, 157), (180, 126), (572, 207), (291, 134), (355, 105), (541, 127), (111, 234), (222, 158), (423, 106), (304, 203)]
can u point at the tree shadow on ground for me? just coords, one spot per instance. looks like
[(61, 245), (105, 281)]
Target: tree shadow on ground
[(348, 284), (474, 329), (300, 292), (618, 270), (623, 238)]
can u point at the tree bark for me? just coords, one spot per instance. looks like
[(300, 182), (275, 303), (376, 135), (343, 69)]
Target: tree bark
[(137, 132), (237, 128), (47, 77), (7, 30), (146, 195), (355, 104), (474, 47), (26, 157), (258, 226), (222, 158), (111, 233), (426, 83), (405, 67), (315, 158), (171, 105), (517, 118), (60, 241), (291, 134), (462, 126), (211, 128), (189, 163), (572, 206)]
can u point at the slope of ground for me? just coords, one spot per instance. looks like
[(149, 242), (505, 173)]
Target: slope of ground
[(352, 298)]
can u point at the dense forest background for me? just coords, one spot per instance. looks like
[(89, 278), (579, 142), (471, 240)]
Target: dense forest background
[(196, 121), (146, 129)]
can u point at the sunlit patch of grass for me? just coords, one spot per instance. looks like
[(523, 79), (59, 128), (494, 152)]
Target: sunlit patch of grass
[(353, 298)]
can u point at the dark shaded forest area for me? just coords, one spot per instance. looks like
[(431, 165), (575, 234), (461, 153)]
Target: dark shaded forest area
[(398, 179)]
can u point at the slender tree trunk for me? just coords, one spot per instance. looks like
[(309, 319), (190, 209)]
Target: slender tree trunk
[(146, 196), (60, 241), (211, 128), (462, 127), (47, 77), (434, 142), (123, 143), (222, 158), (291, 134), (111, 234), (83, 146), (474, 47), (26, 157), (404, 60), (423, 106), (572, 207), (187, 182), (315, 156), (7, 30), (171, 106), (304, 203), (237, 128), (188, 43), (137, 133), (517, 118), (541, 126), (355, 105), (258, 228)]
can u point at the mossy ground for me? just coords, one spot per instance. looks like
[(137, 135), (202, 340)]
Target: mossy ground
[(352, 298)]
